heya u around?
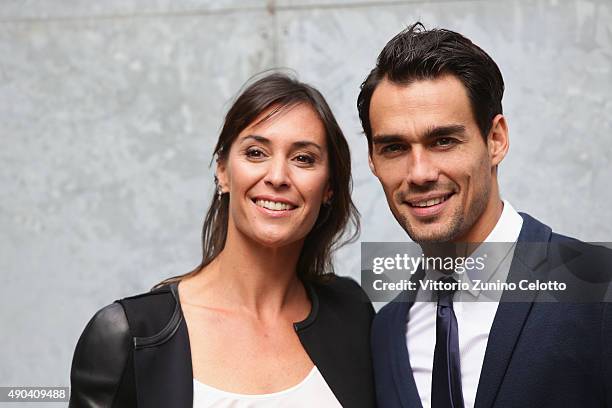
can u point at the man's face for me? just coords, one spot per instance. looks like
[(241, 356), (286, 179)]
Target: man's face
[(428, 153)]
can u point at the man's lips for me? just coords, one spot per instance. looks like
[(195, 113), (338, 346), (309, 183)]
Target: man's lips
[(428, 206), (428, 200)]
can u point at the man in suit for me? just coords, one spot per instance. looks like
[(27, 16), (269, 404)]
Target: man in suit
[(431, 110)]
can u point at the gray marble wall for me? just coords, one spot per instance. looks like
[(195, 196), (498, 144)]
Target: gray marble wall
[(109, 111)]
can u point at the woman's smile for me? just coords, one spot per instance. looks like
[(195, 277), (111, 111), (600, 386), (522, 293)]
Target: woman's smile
[(274, 207)]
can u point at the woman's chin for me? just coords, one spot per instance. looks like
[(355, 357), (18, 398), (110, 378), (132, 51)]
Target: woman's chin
[(276, 239), (274, 243)]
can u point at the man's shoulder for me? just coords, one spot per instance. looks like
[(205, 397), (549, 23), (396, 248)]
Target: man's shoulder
[(531, 225), (584, 268)]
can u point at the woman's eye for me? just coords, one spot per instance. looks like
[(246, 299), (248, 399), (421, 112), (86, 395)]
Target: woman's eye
[(254, 153), (304, 158)]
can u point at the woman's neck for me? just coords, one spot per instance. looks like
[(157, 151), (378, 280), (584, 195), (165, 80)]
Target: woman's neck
[(252, 278)]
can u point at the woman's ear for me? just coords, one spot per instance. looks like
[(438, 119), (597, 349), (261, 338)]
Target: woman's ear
[(221, 176), (327, 196), (498, 141)]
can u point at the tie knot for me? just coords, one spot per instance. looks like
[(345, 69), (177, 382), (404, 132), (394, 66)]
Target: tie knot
[(448, 287)]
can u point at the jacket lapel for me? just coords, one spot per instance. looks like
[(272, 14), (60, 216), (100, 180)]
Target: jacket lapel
[(162, 364), (398, 355), (529, 255)]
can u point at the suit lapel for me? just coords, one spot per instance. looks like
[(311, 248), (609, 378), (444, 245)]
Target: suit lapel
[(507, 327), (512, 313), (400, 360)]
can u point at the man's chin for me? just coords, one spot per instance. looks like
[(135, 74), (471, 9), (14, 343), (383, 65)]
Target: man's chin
[(429, 234), (430, 239)]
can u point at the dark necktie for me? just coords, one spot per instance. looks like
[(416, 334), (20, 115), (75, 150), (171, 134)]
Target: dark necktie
[(446, 377)]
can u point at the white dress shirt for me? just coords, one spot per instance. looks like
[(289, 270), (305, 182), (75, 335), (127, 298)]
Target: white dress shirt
[(474, 313)]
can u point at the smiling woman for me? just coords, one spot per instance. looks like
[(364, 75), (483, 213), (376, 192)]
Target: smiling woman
[(277, 177), (262, 321)]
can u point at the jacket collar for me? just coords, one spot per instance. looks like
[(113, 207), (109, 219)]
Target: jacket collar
[(530, 253), (168, 355), (398, 355)]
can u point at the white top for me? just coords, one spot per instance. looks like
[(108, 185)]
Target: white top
[(312, 391), (474, 318)]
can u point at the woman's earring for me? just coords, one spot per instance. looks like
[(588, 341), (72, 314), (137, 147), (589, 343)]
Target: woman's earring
[(219, 188), (327, 202)]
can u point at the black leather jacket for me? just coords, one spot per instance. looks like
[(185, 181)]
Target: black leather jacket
[(135, 352)]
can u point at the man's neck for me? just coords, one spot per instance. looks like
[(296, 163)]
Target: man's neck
[(468, 242)]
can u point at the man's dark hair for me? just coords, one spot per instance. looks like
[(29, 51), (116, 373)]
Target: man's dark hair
[(417, 54)]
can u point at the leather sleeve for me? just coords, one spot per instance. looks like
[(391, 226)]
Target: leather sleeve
[(100, 360)]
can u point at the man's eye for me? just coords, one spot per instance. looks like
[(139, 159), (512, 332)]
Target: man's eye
[(392, 148), (444, 141), (305, 159)]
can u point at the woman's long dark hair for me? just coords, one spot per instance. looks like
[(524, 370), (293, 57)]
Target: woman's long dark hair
[(277, 91)]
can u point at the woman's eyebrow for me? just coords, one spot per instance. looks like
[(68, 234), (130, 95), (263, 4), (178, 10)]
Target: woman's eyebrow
[(257, 138), (295, 145), (306, 143)]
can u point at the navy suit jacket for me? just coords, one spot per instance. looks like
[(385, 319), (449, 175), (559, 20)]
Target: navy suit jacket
[(538, 354)]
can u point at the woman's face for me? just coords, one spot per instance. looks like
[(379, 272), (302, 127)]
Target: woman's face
[(277, 177)]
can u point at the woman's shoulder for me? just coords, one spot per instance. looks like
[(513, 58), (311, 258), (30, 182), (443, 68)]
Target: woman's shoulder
[(100, 359), (131, 316), (108, 326), (150, 312), (340, 286), (342, 292), (101, 366)]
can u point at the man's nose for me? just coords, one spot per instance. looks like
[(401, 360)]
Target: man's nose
[(422, 168), (277, 174)]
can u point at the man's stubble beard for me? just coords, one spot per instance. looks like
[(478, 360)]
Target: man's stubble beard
[(458, 224)]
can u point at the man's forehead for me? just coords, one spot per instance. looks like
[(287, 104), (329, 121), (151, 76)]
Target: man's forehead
[(398, 108), (428, 90)]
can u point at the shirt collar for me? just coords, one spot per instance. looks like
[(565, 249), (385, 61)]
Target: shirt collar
[(508, 226), (506, 230)]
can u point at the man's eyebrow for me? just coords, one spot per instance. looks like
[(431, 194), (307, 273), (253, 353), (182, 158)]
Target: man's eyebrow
[(431, 133), (441, 131), (384, 139), (296, 145)]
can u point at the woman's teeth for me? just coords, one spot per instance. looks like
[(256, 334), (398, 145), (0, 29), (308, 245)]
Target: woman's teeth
[(274, 205)]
